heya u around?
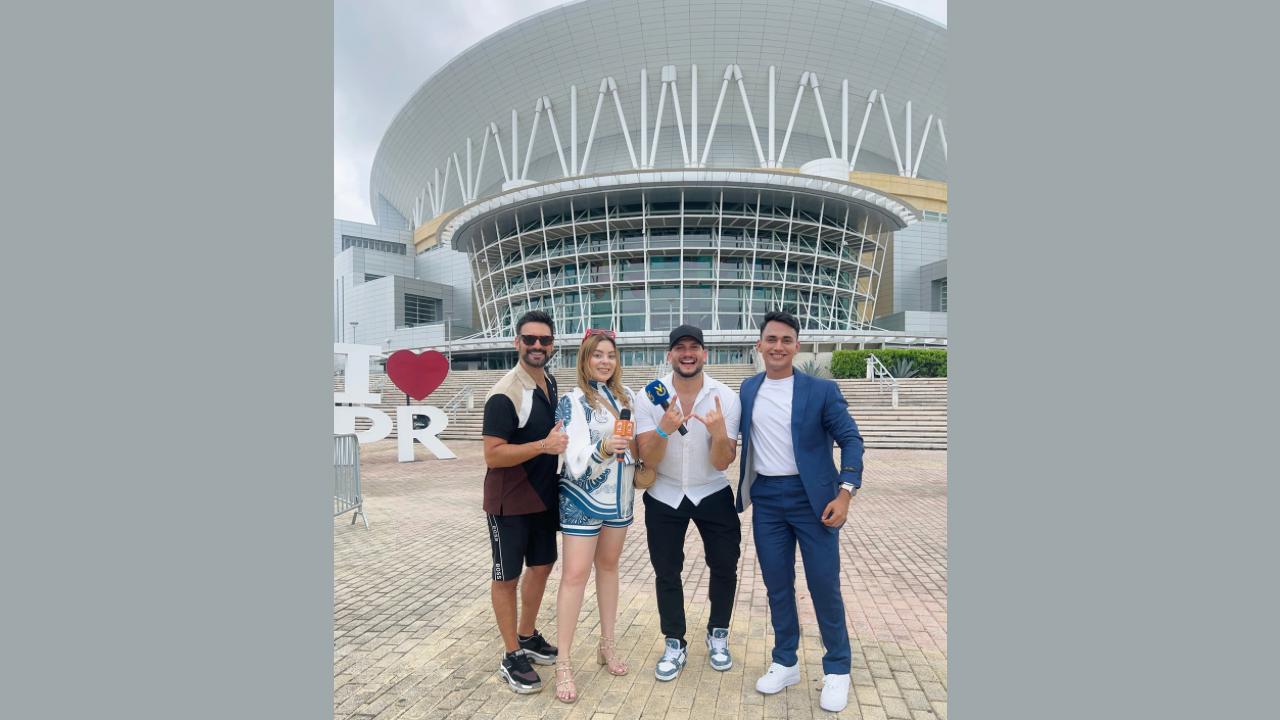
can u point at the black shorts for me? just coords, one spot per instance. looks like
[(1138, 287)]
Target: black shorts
[(519, 540)]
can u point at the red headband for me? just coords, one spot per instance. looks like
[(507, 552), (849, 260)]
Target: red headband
[(597, 331)]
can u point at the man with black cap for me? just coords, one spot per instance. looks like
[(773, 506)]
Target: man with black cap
[(691, 485)]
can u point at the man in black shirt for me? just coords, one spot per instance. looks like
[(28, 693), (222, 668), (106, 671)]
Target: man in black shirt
[(522, 443)]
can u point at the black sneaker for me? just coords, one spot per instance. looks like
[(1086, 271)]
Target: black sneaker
[(519, 674), (538, 649)]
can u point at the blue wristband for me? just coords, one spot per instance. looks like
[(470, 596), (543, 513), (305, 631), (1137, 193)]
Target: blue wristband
[(661, 434)]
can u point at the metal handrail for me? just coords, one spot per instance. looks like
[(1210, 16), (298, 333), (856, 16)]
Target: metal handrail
[(466, 394), (877, 372)]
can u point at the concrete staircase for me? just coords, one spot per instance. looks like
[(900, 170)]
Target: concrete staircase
[(919, 421)]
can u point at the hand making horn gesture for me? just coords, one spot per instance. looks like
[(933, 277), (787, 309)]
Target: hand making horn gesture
[(714, 419), (673, 418)]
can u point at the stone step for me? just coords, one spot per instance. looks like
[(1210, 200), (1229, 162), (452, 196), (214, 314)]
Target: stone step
[(902, 432), (858, 414), (488, 377), (920, 421), (867, 430), (873, 415)]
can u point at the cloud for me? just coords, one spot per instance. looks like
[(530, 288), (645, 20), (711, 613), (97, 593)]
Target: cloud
[(384, 50)]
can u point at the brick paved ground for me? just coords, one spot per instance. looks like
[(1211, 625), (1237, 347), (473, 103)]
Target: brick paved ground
[(414, 635)]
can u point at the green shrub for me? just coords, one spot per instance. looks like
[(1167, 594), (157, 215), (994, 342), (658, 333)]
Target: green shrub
[(903, 368), (853, 363), (814, 368)]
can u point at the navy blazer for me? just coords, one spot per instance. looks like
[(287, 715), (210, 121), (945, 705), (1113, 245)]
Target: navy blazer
[(819, 418)]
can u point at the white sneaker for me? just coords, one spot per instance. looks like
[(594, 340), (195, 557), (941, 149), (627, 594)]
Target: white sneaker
[(835, 692), (778, 678)]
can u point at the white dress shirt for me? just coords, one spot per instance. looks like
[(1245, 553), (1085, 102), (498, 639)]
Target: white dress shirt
[(771, 444), (686, 469)]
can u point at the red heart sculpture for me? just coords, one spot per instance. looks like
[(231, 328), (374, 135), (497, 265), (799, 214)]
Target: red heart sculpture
[(417, 375)]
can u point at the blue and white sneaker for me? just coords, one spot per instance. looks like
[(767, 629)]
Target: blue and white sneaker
[(671, 662), (718, 649)]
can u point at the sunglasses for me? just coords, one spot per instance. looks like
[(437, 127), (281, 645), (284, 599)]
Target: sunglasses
[(531, 340), (597, 331)]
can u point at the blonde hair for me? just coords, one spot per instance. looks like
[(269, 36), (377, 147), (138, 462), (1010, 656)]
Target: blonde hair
[(584, 374)]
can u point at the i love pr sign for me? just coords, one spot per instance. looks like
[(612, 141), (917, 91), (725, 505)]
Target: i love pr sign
[(417, 374)]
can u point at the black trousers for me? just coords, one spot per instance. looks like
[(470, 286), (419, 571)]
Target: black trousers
[(721, 531)]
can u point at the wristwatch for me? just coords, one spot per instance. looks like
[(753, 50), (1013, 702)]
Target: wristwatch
[(849, 486)]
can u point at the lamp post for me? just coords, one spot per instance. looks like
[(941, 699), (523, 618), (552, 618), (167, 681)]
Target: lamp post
[(353, 325), (448, 326)]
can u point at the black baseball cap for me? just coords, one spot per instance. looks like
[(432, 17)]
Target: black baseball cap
[(686, 331)]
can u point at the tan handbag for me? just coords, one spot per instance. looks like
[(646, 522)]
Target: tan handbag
[(644, 477)]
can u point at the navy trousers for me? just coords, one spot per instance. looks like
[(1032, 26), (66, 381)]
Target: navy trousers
[(781, 519)]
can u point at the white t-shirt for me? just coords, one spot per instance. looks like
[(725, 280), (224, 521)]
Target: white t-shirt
[(686, 469), (771, 428)]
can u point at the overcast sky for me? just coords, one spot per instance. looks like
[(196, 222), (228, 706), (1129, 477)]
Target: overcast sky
[(383, 50)]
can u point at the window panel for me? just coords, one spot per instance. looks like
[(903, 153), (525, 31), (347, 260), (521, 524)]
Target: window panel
[(420, 310)]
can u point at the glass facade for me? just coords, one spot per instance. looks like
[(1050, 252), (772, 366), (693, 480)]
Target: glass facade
[(647, 260)]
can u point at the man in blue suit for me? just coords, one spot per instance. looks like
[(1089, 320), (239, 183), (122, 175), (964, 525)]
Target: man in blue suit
[(789, 422)]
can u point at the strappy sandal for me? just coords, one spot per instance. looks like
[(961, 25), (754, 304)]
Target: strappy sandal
[(564, 679), (605, 655)]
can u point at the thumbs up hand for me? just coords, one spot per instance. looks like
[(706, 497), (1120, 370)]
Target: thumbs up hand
[(557, 440)]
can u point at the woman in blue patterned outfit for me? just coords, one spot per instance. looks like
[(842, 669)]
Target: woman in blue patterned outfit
[(596, 497)]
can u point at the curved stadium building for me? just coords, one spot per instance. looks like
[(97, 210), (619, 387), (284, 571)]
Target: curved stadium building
[(636, 166)]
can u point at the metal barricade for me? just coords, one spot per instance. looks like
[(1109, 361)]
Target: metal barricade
[(346, 478)]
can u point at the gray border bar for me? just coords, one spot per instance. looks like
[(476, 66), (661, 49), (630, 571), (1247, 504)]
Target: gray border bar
[(168, 252)]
